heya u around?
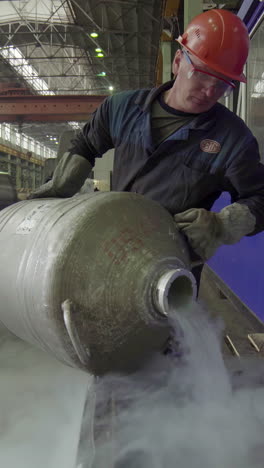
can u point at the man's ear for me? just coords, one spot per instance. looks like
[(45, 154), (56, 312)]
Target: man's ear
[(176, 62)]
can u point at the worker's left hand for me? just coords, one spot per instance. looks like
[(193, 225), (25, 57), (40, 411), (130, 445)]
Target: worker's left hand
[(206, 230), (68, 178), (203, 230)]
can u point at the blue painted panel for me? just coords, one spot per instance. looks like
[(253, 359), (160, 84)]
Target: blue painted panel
[(241, 266)]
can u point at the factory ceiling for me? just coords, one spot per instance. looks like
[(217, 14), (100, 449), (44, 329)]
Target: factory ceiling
[(82, 46), (78, 47), (94, 47)]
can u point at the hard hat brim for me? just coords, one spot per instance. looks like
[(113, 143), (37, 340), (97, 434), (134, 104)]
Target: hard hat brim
[(241, 77)]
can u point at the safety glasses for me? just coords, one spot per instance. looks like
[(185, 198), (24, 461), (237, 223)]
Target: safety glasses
[(224, 87)]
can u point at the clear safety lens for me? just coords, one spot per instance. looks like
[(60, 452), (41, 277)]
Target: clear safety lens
[(207, 79)]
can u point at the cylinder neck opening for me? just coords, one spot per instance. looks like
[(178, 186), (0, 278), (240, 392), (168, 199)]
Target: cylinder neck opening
[(180, 293), (175, 289)]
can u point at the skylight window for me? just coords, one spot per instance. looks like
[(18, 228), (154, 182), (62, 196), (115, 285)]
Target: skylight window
[(15, 57)]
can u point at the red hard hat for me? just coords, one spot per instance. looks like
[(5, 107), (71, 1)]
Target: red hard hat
[(220, 40)]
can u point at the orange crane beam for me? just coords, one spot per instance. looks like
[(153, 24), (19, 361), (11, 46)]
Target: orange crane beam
[(58, 108)]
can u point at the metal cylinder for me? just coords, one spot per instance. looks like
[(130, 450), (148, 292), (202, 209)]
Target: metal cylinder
[(92, 279)]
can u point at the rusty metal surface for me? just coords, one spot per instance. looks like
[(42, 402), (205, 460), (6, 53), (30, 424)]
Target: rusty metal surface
[(48, 108)]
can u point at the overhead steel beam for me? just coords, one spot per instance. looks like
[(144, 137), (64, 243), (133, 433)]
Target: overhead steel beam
[(97, 26), (57, 28), (79, 75), (99, 61), (60, 108)]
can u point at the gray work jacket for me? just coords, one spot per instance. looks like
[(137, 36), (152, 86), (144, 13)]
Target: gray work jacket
[(215, 152)]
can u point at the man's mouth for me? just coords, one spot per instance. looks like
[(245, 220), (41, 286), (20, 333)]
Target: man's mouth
[(200, 102)]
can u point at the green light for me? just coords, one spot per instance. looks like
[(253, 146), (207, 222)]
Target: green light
[(101, 74), (94, 34), (100, 54), (98, 49)]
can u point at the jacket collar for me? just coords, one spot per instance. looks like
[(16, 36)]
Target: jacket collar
[(144, 101), (203, 121)]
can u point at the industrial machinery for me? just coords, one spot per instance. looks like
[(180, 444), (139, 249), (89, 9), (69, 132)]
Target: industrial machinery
[(93, 279)]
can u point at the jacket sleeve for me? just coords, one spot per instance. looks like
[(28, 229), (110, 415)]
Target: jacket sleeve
[(244, 180), (94, 139)]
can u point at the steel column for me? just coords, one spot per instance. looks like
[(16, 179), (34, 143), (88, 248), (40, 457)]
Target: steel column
[(191, 9)]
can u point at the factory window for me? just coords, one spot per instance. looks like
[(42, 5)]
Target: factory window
[(7, 132), (255, 89), (37, 147), (18, 137), (47, 152), (31, 144), (24, 141)]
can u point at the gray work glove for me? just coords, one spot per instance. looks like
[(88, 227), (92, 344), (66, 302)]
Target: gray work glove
[(68, 178), (206, 230)]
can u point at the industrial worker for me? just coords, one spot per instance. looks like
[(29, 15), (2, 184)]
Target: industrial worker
[(177, 145)]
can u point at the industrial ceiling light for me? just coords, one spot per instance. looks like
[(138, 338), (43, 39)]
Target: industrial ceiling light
[(94, 34), (100, 54), (98, 49), (111, 88), (101, 74)]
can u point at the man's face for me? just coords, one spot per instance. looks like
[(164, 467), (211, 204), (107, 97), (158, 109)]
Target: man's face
[(196, 93)]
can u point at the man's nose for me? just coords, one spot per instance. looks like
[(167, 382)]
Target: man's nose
[(210, 91)]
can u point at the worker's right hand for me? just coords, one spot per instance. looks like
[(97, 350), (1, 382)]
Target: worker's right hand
[(206, 230), (68, 178)]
